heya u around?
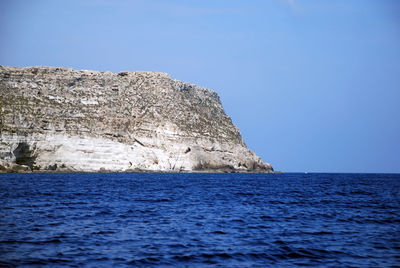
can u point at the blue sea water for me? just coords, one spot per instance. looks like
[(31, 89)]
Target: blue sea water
[(199, 220)]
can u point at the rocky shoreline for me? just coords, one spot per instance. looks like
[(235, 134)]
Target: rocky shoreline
[(24, 169)]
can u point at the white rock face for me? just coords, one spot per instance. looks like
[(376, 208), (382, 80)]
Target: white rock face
[(62, 119)]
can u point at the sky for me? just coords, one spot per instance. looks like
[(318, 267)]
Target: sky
[(313, 85)]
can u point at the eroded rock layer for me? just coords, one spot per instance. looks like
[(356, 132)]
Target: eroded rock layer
[(64, 119)]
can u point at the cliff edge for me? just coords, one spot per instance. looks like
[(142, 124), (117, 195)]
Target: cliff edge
[(69, 120)]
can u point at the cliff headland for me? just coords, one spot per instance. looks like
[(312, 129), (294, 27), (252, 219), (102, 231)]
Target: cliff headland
[(60, 119)]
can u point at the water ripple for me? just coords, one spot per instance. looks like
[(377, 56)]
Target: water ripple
[(226, 220)]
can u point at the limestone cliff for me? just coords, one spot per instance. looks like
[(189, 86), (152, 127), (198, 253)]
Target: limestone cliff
[(64, 119)]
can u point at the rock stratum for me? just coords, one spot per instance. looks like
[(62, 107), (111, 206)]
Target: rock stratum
[(68, 120)]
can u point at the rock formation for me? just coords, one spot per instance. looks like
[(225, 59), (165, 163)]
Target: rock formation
[(68, 120)]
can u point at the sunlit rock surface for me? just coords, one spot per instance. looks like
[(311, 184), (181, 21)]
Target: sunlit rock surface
[(68, 120)]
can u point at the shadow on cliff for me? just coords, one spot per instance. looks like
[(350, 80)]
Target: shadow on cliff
[(24, 155)]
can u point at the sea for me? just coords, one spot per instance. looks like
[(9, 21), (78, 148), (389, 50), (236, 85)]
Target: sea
[(199, 220)]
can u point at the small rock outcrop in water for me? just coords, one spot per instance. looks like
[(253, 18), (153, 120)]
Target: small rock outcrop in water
[(64, 119)]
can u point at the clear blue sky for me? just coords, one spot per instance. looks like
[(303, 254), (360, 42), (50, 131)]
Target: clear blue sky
[(312, 85)]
